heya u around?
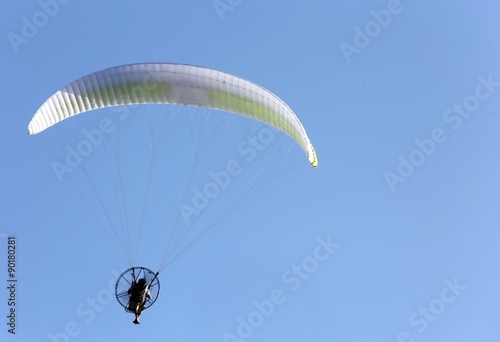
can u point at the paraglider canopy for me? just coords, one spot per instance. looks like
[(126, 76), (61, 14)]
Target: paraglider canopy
[(167, 83), (132, 276)]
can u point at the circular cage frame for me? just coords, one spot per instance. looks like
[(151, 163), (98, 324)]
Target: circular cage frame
[(124, 282)]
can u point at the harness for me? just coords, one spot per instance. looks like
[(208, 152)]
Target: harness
[(137, 297)]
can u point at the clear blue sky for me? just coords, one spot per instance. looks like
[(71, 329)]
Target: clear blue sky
[(394, 237)]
